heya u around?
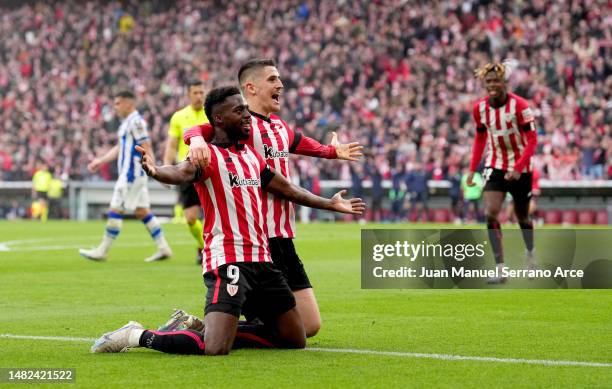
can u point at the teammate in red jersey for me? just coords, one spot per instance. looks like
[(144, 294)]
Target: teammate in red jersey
[(505, 126), (262, 87), (237, 263)]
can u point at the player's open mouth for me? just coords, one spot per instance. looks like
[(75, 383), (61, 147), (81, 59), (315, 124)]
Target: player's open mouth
[(276, 97)]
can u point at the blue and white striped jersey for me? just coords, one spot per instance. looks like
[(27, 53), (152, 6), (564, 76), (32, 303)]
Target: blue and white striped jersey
[(132, 131)]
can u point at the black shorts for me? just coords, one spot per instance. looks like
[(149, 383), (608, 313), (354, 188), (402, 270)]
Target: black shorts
[(519, 189), (287, 261), (188, 196), (230, 285)]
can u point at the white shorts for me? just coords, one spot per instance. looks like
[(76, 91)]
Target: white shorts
[(127, 196)]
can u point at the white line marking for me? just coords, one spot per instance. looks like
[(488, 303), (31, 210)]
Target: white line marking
[(71, 242), (444, 357), (143, 243), (449, 357), (60, 338)]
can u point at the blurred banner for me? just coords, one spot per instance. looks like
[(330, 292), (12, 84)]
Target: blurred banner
[(463, 258)]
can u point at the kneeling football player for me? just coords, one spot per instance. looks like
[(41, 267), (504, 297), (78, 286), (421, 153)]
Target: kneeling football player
[(237, 264)]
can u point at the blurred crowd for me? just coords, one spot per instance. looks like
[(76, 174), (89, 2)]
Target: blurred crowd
[(395, 75)]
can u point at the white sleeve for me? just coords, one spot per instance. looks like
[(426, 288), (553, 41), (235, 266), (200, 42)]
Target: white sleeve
[(138, 128)]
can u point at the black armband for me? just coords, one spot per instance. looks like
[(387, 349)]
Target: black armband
[(481, 129), (296, 141), (266, 176), (527, 127)]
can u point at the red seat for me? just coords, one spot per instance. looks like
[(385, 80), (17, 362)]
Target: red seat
[(569, 216), (601, 217), (552, 216), (586, 216)]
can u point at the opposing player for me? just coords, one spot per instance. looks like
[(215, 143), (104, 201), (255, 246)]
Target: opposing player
[(262, 87), (505, 126), (237, 263), (176, 150), (131, 193)]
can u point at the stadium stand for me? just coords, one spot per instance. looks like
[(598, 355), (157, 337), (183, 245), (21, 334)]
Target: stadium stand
[(397, 77)]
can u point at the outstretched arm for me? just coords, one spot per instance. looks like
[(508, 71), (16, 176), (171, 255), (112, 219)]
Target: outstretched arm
[(167, 174), (304, 145), (348, 151), (279, 186)]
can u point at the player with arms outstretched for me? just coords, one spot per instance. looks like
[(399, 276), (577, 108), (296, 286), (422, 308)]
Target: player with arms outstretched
[(237, 263), (271, 137), (505, 127)]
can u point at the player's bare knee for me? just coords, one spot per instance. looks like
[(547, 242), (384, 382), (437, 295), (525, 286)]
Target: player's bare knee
[(312, 327), (218, 346), (217, 349), (312, 331)]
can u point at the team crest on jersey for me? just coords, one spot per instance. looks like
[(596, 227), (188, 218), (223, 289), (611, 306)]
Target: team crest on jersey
[(270, 153), (236, 181), (232, 289)]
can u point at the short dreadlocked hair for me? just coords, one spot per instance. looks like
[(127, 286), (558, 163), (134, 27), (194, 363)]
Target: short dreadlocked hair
[(497, 67)]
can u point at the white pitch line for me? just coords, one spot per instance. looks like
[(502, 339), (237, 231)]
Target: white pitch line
[(444, 357), (4, 247), (449, 357), (32, 243), (60, 338)]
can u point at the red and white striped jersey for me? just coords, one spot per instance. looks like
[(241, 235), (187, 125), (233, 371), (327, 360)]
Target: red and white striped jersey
[(230, 193), (506, 138), (274, 140)]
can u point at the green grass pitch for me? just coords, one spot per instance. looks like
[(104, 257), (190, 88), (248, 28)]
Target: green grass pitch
[(47, 289)]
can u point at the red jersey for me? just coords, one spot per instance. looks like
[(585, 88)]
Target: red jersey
[(230, 191), (507, 130), (274, 140)]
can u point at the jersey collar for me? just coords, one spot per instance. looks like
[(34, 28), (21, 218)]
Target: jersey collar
[(500, 105), (260, 116), (134, 113)]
